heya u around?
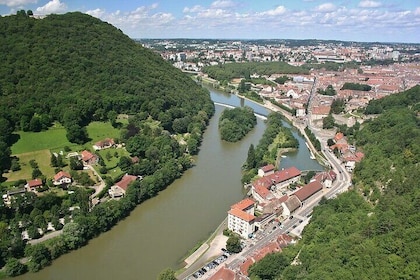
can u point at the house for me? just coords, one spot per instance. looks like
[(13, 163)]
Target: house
[(62, 179), (89, 158), (326, 178), (33, 185), (241, 218), (290, 205), (308, 190), (266, 170), (104, 144), (120, 188)]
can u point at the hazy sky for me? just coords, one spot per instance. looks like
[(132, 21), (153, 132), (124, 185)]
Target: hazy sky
[(349, 20)]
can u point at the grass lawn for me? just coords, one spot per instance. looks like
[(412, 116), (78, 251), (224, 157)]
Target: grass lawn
[(113, 161), (39, 145), (53, 138), (42, 157)]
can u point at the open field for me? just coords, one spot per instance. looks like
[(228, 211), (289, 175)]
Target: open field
[(40, 145), (42, 157)]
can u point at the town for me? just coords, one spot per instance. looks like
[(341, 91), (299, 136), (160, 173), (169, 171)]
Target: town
[(280, 202)]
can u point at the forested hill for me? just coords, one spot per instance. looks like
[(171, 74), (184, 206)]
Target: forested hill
[(75, 68), (372, 231)]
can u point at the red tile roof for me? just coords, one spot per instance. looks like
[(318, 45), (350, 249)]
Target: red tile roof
[(86, 155), (241, 215), (35, 183), (284, 175), (125, 181), (308, 190), (321, 110), (223, 274), (60, 175), (338, 136), (243, 204), (268, 168), (262, 191)]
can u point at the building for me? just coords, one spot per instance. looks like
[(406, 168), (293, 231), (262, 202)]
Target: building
[(89, 158), (120, 188), (290, 205), (104, 144), (62, 179), (241, 219), (266, 170), (308, 190), (33, 185)]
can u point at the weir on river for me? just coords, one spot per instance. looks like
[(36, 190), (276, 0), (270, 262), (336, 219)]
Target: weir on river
[(160, 232)]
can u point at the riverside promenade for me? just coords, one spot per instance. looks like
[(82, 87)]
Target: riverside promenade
[(209, 250)]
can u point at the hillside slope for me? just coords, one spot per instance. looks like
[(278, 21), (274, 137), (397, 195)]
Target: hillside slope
[(74, 61)]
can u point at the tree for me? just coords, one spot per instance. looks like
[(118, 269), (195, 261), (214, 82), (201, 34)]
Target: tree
[(39, 256), (328, 122), (270, 266), (167, 274), (125, 163), (251, 161), (77, 134), (73, 235), (54, 162), (233, 244), (14, 267), (76, 164)]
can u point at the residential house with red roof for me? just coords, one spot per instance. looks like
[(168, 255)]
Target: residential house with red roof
[(33, 185), (89, 158), (266, 170), (104, 144), (120, 188), (62, 179)]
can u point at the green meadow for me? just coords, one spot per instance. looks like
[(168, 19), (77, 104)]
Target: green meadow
[(40, 145)]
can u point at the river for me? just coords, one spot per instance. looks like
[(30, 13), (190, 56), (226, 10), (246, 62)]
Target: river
[(160, 232)]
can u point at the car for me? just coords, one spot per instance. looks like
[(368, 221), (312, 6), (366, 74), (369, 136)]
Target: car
[(291, 217), (274, 227), (300, 221), (294, 226), (224, 250)]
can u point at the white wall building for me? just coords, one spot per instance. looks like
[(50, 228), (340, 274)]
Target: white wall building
[(241, 219)]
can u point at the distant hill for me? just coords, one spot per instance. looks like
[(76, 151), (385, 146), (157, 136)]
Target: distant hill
[(75, 61)]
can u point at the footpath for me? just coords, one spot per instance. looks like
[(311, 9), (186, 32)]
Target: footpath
[(209, 250)]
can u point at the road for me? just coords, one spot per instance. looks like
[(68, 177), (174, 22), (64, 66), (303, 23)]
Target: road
[(301, 216)]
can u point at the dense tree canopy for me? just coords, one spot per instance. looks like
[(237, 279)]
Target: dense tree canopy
[(226, 72), (74, 68), (235, 123)]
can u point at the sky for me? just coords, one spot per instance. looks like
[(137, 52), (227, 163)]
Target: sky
[(347, 20)]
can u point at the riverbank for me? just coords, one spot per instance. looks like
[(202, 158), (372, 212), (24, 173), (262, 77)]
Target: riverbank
[(206, 252)]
